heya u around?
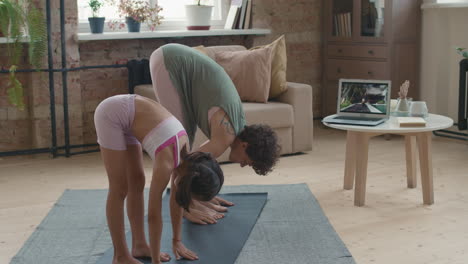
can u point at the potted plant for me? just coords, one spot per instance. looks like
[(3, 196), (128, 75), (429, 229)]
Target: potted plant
[(19, 18), (96, 23), (462, 52), (198, 16), (136, 12)]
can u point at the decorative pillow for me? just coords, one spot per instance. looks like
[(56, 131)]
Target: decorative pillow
[(250, 71), (278, 66), (201, 49)]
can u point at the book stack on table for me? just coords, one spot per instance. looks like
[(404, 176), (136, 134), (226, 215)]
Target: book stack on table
[(411, 121)]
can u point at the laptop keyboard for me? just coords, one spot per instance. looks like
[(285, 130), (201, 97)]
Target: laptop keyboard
[(357, 118)]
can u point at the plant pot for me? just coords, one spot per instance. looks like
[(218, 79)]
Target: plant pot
[(96, 24), (198, 17), (132, 24)]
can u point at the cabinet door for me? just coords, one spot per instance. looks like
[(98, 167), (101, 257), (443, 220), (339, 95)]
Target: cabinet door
[(373, 20), (339, 19), (357, 69), (379, 52)]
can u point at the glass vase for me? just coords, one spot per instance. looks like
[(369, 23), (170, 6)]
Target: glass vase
[(403, 106)]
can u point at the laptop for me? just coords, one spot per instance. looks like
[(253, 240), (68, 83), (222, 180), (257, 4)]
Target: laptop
[(362, 102)]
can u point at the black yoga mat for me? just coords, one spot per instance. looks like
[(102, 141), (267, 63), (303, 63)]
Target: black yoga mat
[(214, 244)]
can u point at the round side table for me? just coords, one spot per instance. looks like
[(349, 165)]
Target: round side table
[(357, 142)]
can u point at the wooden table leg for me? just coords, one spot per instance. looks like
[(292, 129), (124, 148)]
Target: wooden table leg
[(362, 155), (350, 161), (410, 146), (425, 161)]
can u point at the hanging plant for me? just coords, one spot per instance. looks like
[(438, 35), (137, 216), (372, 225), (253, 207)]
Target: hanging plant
[(16, 19)]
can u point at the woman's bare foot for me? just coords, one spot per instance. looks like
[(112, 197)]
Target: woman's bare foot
[(217, 208), (220, 201), (201, 206), (199, 217)]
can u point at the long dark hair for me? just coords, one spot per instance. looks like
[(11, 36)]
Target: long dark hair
[(199, 174)]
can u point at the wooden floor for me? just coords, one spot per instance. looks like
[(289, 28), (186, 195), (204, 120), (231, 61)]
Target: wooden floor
[(393, 227)]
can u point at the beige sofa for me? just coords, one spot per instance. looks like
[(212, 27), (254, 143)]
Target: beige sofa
[(290, 115)]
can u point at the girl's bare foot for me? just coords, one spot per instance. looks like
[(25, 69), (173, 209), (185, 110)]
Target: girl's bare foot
[(164, 257), (125, 260), (143, 252)]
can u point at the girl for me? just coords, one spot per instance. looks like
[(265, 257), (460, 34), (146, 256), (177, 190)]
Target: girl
[(125, 123)]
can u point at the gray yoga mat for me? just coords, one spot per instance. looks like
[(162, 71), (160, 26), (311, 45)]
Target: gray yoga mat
[(219, 243), (291, 229)]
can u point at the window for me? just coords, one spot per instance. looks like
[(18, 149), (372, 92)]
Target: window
[(451, 1), (445, 1), (173, 13)]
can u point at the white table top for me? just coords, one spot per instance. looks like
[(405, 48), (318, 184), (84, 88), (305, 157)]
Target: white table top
[(434, 122)]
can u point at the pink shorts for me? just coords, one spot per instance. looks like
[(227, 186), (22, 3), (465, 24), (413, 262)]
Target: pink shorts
[(113, 120), (162, 85)]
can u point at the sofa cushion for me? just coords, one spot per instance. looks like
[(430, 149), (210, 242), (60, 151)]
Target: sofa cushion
[(201, 49), (274, 114), (278, 66), (211, 51), (250, 71)]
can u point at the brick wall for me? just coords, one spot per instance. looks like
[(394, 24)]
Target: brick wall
[(298, 20)]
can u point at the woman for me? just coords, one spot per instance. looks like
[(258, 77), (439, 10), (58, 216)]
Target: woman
[(198, 92), (123, 126)]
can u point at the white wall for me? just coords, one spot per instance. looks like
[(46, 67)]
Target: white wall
[(443, 29)]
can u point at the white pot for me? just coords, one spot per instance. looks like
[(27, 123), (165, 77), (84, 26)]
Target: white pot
[(198, 17)]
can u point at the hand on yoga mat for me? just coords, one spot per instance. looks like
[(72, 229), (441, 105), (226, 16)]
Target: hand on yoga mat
[(180, 251)]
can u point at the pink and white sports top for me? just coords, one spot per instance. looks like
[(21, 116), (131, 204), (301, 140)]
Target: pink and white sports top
[(164, 134)]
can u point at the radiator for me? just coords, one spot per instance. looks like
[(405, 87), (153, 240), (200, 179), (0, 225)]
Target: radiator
[(463, 96), (138, 73)]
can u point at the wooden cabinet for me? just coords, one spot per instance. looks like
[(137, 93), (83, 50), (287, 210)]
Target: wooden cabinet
[(370, 39)]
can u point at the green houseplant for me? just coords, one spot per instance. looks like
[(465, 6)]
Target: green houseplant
[(136, 12), (96, 23), (19, 18)]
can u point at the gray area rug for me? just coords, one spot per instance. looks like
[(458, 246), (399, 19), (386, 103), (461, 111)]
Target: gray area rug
[(291, 229)]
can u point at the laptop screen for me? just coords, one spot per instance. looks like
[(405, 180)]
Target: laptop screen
[(364, 97)]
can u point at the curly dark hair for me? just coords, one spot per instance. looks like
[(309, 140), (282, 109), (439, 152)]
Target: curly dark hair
[(200, 175), (263, 148)]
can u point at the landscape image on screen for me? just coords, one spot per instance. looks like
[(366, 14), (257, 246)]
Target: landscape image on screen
[(369, 98)]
